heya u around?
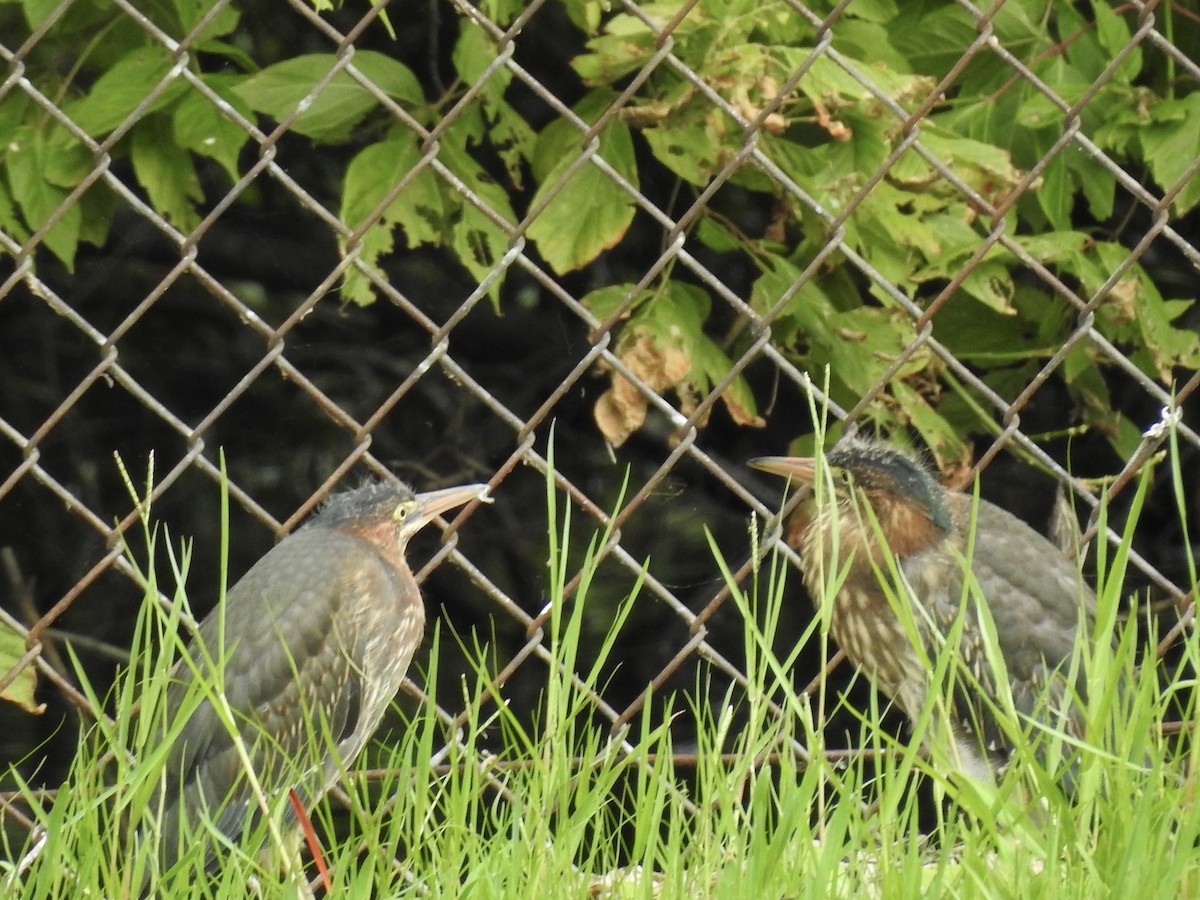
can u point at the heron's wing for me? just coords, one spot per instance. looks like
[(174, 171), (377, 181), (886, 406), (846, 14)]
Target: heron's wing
[(1042, 591), (291, 679), (936, 579), (1038, 601)]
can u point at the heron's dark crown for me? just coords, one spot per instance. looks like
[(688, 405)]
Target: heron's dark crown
[(374, 502), (880, 467)]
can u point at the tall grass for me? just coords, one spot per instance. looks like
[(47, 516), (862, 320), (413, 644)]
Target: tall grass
[(568, 809)]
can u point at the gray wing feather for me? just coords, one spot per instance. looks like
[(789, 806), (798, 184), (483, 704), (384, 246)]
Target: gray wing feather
[(1038, 606), (1036, 600), (277, 717)]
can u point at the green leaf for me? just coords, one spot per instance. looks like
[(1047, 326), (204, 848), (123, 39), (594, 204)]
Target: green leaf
[(1124, 435), (27, 159), (190, 12), (862, 343), (805, 312), (1056, 196), (502, 12), (394, 78), (1055, 246), (967, 410), (1077, 36), (603, 301), (1084, 378), (873, 233), (1135, 311), (1164, 346), (505, 130), (691, 151), (979, 334), (627, 45), (23, 688), (938, 434), (934, 236), (589, 212), (857, 343), (1098, 184), (419, 209), (330, 114), (932, 42), (200, 127), (585, 14), (991, 282), (1114, 36), (242, 61), (1039, 111), (375, 172), (118, 91), (67, 162), (165, 170), (357, 287), (80, 20), (864, 148), (714, 235), (477, 241), (984, 166), (829, 84), (1022, 23), (98, 206), (1170, 143), (710, 364), (10, 222), (860, 39), (680, 310), (474, 51), (875, 10), (15, 109)]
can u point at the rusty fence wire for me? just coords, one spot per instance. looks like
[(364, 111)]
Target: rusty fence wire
[(439, 386)]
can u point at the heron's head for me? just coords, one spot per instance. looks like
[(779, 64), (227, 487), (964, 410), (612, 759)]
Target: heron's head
[(393, 506), (904, 496)]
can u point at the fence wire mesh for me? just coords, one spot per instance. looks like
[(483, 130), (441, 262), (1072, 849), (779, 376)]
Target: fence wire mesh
[(227, 333)]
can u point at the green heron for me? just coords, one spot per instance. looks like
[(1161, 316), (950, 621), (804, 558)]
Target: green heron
[(316, 639), (1033, 592)]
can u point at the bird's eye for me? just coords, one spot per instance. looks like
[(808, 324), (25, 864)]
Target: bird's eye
[(403, 510)]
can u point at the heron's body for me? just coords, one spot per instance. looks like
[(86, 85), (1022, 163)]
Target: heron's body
[(310, 647), (1033, 593)]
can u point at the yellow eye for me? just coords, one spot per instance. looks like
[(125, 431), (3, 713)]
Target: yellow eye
[(403, 510)]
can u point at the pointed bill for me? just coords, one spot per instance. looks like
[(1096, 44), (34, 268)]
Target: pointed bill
[(800, 469)]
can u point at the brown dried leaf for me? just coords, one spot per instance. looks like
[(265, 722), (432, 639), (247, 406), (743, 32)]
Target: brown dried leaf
[(739, 413), (616, 416), (621, 410), (1123, 299)]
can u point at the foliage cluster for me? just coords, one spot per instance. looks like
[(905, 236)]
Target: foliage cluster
[(841, 208)]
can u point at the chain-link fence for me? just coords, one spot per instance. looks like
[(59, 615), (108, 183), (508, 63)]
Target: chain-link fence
[(622, 225)]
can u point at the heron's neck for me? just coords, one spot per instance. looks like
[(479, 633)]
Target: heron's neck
[(860, 524)]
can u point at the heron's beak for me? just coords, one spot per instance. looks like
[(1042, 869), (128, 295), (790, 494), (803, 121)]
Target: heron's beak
[(431, 504), (800, 469)]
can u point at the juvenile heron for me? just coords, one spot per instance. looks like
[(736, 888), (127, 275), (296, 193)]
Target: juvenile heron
[(316, 639), (1032, 590)]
